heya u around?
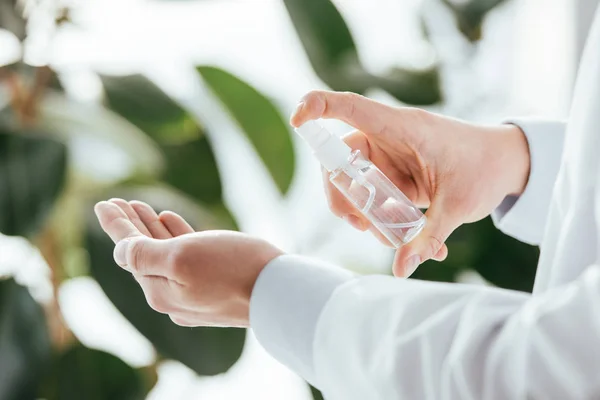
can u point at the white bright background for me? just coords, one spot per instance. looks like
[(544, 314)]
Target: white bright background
[(524, 65)]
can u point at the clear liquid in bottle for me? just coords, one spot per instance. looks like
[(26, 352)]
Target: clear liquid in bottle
[(393, 217)]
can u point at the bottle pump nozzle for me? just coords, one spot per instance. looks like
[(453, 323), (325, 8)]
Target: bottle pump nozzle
[(331, 151)]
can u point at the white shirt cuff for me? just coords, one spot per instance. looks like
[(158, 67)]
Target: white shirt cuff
[(524, 217), (285, 306)]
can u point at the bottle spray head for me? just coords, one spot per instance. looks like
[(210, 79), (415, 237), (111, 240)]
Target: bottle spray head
[(331, 151)]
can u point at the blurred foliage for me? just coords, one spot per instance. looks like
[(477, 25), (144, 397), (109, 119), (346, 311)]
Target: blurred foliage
[(11, 18), (175, 168), (205, 186), (24, 342), (501, 259), (262, 123), (82, 373), (142, 103), (32, 174), (70, 121), (183, 142), (498, 258), (335, 59), (470, 15), (316, 394)]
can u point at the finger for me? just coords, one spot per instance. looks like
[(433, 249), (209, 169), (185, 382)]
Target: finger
[(150, 218), (362, 113), (187, 319), (441, 254), (132, 215), (158, 293), (175, 224), (339, 205), (115, 222), (440, 224), (144, 256), (193, 319), (380, 236)]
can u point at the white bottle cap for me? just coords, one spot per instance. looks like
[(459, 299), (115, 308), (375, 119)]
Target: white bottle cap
[(331, 151)]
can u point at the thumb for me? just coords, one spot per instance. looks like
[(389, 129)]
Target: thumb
[(142, 255), (429, 243)]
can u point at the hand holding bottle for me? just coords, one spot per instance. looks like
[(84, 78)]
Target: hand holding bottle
[(392, 216), (459, 171)]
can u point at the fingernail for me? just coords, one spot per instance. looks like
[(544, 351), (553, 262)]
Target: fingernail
[(411, 265), (120, 253), (98, 207)]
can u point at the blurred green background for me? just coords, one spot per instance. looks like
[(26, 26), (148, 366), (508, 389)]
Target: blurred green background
[(70, 136)]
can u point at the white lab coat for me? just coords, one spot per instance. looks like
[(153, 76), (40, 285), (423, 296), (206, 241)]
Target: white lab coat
[(379, 337)]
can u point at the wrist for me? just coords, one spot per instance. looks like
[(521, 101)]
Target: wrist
[(511, 152), (264, 258)]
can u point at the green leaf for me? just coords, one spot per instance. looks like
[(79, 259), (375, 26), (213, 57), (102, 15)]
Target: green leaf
[(335, 59), (192, 168), (416, 87), (32, 174), (470, 15), (480, 246), (500, 259), (191, 164), (70, 120), (436, 271), (82, 373), (208, 351), (462, 252), (316, 394), (328, 43), (259, 119), (24, 342), (322, 31), (145, 105), (11, 18)]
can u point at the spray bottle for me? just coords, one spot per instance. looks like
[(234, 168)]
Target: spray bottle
[(391, 214)]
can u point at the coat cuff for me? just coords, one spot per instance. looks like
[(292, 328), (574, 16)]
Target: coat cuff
[(286, 303), (524, 217)]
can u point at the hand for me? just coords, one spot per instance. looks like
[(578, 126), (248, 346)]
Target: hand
[(460, 171), (199, 279)]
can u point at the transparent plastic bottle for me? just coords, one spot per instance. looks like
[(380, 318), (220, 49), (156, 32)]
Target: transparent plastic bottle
[(393, 217)]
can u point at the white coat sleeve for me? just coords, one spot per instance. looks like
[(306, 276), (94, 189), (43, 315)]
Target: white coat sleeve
[(524, 217), (380, 337)]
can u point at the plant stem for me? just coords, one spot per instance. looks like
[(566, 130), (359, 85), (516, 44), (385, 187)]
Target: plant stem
[(29, 108), (24, 102), (49, 247), (14, 87)]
